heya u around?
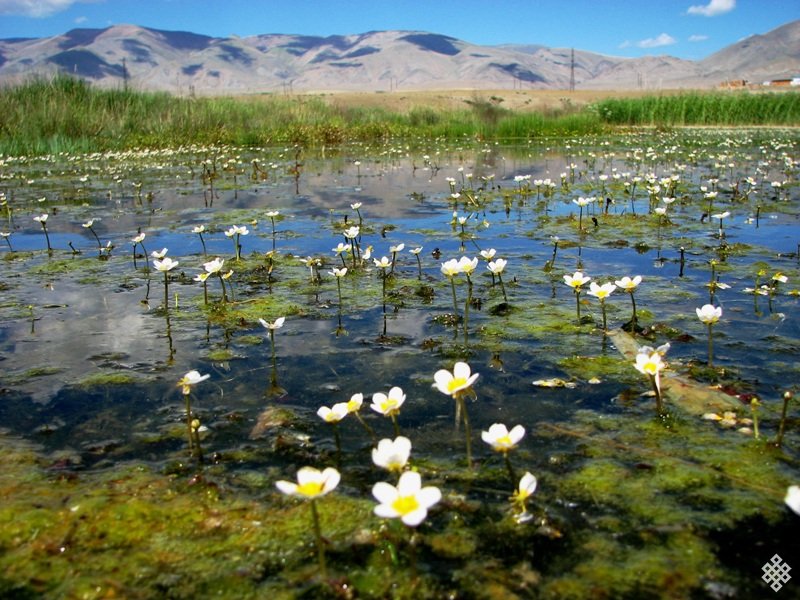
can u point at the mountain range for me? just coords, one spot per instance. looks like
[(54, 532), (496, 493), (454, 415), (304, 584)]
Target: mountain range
[(183, 62)]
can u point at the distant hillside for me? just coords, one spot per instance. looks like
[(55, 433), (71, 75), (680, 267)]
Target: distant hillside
[(184, 62)]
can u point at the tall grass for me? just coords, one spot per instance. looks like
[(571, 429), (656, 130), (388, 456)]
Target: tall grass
[(739, 108), (64, 114)]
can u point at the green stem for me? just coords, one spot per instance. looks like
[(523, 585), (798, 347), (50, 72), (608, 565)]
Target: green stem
[(369, 429), (633, 320), (578, 304), (710, 347), (318, 534), (222, 283), (603, 308), (510, 470), (462, 405), (166, 290), (396, 426), (455, 302), (657, 391), (466, 310), (502, 287), (189, 423)]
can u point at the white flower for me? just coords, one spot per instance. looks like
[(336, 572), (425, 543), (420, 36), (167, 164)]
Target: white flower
[(333, 414), (355, 205), (390, 404), (392, 455), (383, 262), (709, 314), (191, 378), (792, 498), (488, 254), (452, 383), (355, 402), (199, 229), (409, 500), (416, 250), (497, 266), (526, 487), (236, 229), (576, 280), (338, 272), (451, 268), (159, 254), (501, 439), (397, 248), (277, 324), (467, 265), (214, 266), (311, 482), (628, 284), (165, 265), (41, 218), (351, 232), (601, 292), (139, 238)]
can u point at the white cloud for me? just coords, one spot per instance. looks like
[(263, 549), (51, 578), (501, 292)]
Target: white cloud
[(35, 8), (80, 20), (698, 38), (713, 8), (663, 39)]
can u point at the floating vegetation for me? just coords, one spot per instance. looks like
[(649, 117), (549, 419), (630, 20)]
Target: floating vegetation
[(345, 326)]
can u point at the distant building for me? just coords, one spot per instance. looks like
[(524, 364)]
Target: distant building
[(787, 82)]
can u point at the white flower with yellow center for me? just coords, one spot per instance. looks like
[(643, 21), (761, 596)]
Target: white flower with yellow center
[(601, 292), (355, 402), (191, 378), (468, 265), (388, 404), (501, 439), (333, 414), (409, 501), (452, 383), (709, 314), (627, 284), (451, 268), (167, 264), (576, 280), (392, 455), (497, 266), (311, 483), (277, 324)]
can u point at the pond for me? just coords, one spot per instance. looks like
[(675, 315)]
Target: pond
[(119, 484)]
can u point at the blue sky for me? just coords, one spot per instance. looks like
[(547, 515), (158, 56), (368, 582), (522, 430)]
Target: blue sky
[(684, 28)]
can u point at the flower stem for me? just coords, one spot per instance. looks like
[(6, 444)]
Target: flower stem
[(578, 304), (657, 391), (462, 408), (603, 308), (396, 426), (166, 291), (455, 303), (503, 288), (369, 429), (510, 470), (466, 309), (318, 534), (633, 319), (710, 347)]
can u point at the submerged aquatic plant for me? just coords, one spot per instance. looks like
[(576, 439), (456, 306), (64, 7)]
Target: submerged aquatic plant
[(458, 385), (186, 383), (199, 230), (389, 405), (165, 265), (42, 220), (354, 408), (214, 267), (312, 484), (235, 232), (6, 235), (333, 415), (502, 440), (709, 314), (272, 214), (519, 500), (649, 362), (576, 282), (139, 241), (416, 252), (90, 226), (626, 284), (601, 292), (496, 267)]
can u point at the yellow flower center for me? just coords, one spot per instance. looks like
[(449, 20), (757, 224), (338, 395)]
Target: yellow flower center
[(503, 442), (388, 405), (455, 384), (651, 367), (310, 488), (405, 504)]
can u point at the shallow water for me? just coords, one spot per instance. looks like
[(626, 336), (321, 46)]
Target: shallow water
[(91, 357)]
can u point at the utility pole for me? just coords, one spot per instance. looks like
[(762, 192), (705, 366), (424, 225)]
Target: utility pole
[(572, 71)]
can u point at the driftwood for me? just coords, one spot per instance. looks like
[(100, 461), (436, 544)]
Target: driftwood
[(678, 390)]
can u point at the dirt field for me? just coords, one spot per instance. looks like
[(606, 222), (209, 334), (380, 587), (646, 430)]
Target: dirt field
[(538, 100)]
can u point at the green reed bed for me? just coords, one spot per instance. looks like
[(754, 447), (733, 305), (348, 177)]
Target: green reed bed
[(715, 108), (64, 114)]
